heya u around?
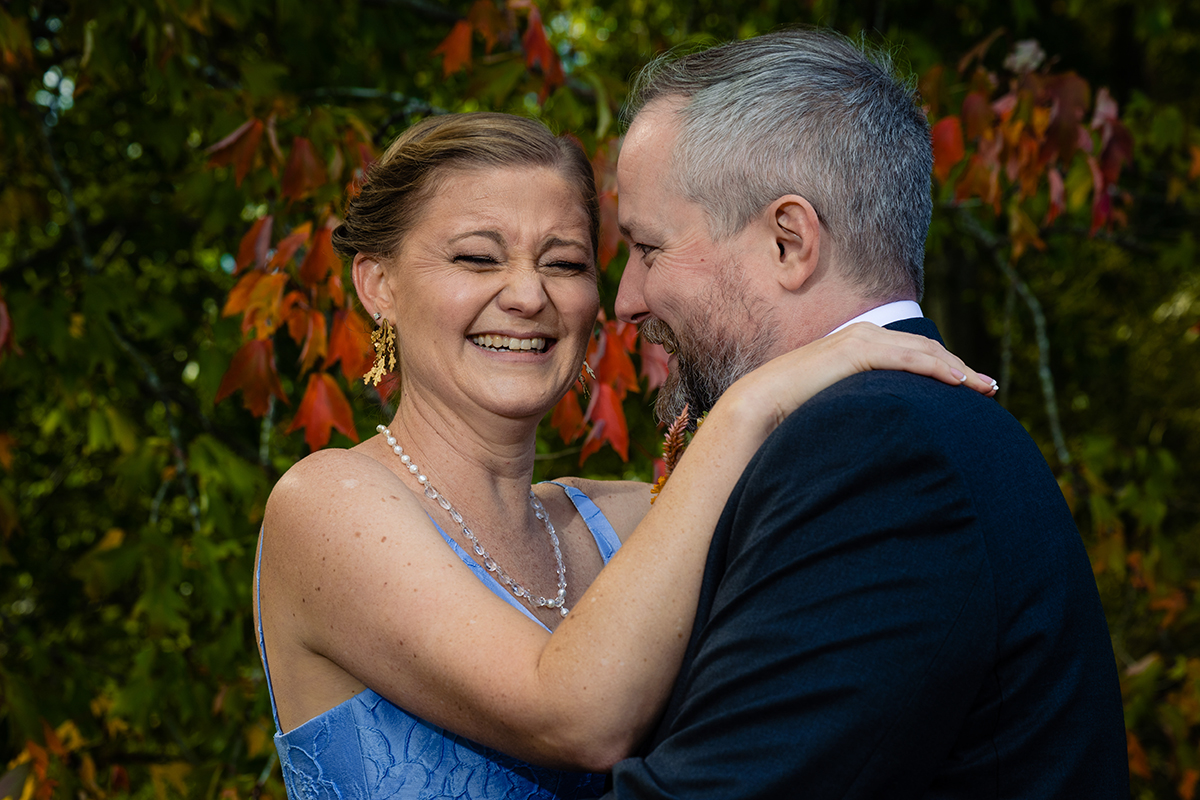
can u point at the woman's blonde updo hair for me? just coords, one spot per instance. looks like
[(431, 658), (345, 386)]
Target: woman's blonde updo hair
[(396, 186)]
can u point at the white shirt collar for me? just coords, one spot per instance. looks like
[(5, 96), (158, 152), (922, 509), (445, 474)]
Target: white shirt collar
[(885, 314)]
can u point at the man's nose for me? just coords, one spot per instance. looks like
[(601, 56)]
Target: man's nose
[(631, 299)]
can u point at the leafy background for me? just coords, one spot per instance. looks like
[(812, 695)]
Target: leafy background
[(175, 332)]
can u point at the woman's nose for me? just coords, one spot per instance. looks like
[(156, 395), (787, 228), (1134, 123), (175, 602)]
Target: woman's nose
[(523, 292)]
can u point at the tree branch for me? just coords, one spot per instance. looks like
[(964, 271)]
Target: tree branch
[(995, 246)]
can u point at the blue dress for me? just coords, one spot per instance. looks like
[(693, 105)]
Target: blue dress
[(367, 747)]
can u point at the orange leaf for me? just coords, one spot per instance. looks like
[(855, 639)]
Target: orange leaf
[(538, 52), (487, 21), (323, 407), (53, 743), (350, 343), (252, 369), (977, 114), (948, 147), (1174, 604), (1194, 171), (259, 298), (315, 342), (238, 148), (294, 311), (608, 424), (455, 49), (320, 259), (1187, 784), (255, 244), (567, 417), (290, 244), (614, 366), (1139, 764), (303, 173)]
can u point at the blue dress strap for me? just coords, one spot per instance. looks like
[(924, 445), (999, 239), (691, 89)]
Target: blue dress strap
[(602, 530), (485, 577), (262, 645)]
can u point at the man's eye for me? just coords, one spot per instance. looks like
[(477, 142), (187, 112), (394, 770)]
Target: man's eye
[(644, 249)]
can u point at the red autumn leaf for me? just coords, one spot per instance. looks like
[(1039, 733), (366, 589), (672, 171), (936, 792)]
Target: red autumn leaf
[(350, 343), (303, 173), (488, 22), (608, 424), (1116, 151), (1058, 195), (290, 244), (538, 52), (294, 311), (655, 364), (315, 340), (8, 341), (609, 357), (948, 147), (238, 148), (1070, 96), (255, 244), (320, 259), (333, 291), (977, 115), (610, 233), (455, 49), (1101, 203), (258, 296), (323, 407), (252, 370), (567, 417)]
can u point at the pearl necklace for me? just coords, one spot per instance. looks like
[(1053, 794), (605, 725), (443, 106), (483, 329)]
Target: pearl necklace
[(489, 564)]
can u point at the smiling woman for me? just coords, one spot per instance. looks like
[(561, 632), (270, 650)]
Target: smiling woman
[(474, 238)]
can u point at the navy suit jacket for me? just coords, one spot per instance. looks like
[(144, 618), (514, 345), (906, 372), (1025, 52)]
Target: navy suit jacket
[(896, 604)]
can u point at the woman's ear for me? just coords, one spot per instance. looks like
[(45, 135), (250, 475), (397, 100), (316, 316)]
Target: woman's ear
[(797, 231), (370, 283)]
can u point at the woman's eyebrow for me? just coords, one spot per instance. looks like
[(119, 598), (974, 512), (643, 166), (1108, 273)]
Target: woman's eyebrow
[(493, 235)]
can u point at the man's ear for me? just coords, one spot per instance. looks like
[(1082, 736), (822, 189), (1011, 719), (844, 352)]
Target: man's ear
[(797, 231), (370, 283)]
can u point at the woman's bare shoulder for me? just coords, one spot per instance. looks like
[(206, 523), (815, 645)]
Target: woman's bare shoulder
[(334, 484), (624, 503)]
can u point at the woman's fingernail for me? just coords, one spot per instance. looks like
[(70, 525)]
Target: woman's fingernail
[(961, 377), (987, 378), (995, 386)]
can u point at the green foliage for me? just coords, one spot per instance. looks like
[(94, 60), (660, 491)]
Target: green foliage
[(130, 499)]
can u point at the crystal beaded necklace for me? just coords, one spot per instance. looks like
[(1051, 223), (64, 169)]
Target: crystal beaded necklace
[(489, 563)]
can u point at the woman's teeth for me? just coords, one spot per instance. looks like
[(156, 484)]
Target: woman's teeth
[(509, 342)]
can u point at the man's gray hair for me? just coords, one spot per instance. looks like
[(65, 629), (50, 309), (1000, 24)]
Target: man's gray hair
[(811, 113)]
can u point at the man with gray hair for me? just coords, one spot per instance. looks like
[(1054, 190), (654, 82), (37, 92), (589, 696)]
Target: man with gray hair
[(896, 603)]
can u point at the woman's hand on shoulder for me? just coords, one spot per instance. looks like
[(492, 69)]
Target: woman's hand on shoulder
[(782, 385)]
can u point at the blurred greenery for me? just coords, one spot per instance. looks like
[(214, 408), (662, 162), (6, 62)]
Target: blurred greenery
[(130, 501)]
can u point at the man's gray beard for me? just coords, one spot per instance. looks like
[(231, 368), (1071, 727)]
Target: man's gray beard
[(704, 369)]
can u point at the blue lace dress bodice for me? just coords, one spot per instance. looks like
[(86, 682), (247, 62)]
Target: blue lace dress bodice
[(367, 747)]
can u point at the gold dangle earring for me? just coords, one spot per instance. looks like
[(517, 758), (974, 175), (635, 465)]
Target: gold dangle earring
[(584, 372), (383, 339)]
